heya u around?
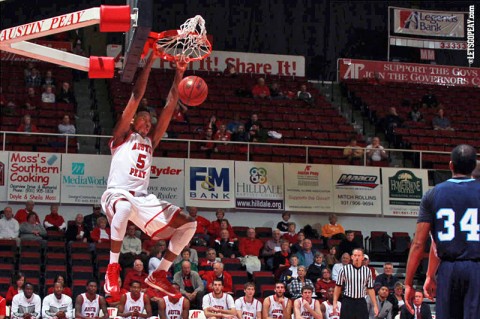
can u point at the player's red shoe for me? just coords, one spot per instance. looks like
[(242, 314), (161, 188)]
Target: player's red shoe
[(158, 279), (111, 279)]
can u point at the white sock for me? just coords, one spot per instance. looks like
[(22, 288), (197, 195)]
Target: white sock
[(114, 257)]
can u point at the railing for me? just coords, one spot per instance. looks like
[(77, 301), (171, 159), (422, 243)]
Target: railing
[(189, 148)]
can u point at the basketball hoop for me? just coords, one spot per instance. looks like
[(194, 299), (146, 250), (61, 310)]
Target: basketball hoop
[(190, 43)]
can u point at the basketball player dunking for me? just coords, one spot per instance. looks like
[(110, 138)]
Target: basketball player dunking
[(126, 198)]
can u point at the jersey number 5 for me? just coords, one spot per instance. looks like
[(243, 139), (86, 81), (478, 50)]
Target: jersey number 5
[(468, 224)]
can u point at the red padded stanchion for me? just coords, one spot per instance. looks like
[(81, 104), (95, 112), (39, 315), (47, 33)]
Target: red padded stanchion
[(101, 67), (114, 18)]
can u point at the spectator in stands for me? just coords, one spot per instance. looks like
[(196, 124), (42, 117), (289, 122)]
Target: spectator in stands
[(213, 123), (21, 215), (291, 272), (156, 254), (60, 279), (271, 247), (233, 125), (291, 234), (214, 228), (250, 246), (387, 279), (415, 114), (230, 70), (28, 70), (331, 258), (397, 298), (77, 231), (430, 100), (9, 226), (180, 113), (225, 246), (306, 254), (283, 224), (48, 96), (26, 304), (257, 133), (6, 107), (353, 153), (218, 274), (385, 307), (240, 135), (253, 119), (147, 245), (136, 274), (225, 224), (184, 256), (375, 152), (65, 126), (281, 259), (296, 284), (366, 262), (190, 283), (276, 93), (66, 95), (49, 80), (345, 260), (18, 280), (34, 79), (54, 221), (91, 219), (101, 233), (420, 309), (324, 283), (26, 125), (208, 262), (260, 90), (333, 230), (389, 123), (298, 246), (208, 147), (349, 243), (32, 100), (304, 95), (201, 237), (32, 230), (131, 248), (193, 257), (222, 134), (440, 122), (314, 271)]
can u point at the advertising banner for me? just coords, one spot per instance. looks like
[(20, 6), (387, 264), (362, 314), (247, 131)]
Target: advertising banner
[(34, 176), (259, 185), (269, 64), (429, 23), (209, 183), (308, 187), (381, 71), (84, 178), (357, 190), (167, 178), (402, 190), (3, 176)]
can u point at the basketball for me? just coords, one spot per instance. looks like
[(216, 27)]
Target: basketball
[(192, 90)]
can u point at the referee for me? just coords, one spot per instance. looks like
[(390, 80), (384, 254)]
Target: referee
[(358, 281)]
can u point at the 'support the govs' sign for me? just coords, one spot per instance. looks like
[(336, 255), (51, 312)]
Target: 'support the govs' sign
[(382, 71)]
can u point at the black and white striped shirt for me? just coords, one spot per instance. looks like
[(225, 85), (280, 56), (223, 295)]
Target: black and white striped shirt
[(356, 280)]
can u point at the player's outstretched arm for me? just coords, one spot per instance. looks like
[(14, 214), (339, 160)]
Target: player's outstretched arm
[(122, 127), (172, 100), (415, 256)]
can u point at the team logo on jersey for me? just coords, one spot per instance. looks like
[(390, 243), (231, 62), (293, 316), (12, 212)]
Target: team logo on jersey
[(404, 184), (78, 168), (369, 181)]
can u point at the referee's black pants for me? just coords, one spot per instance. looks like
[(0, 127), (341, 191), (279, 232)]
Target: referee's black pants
[(354, 308)]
